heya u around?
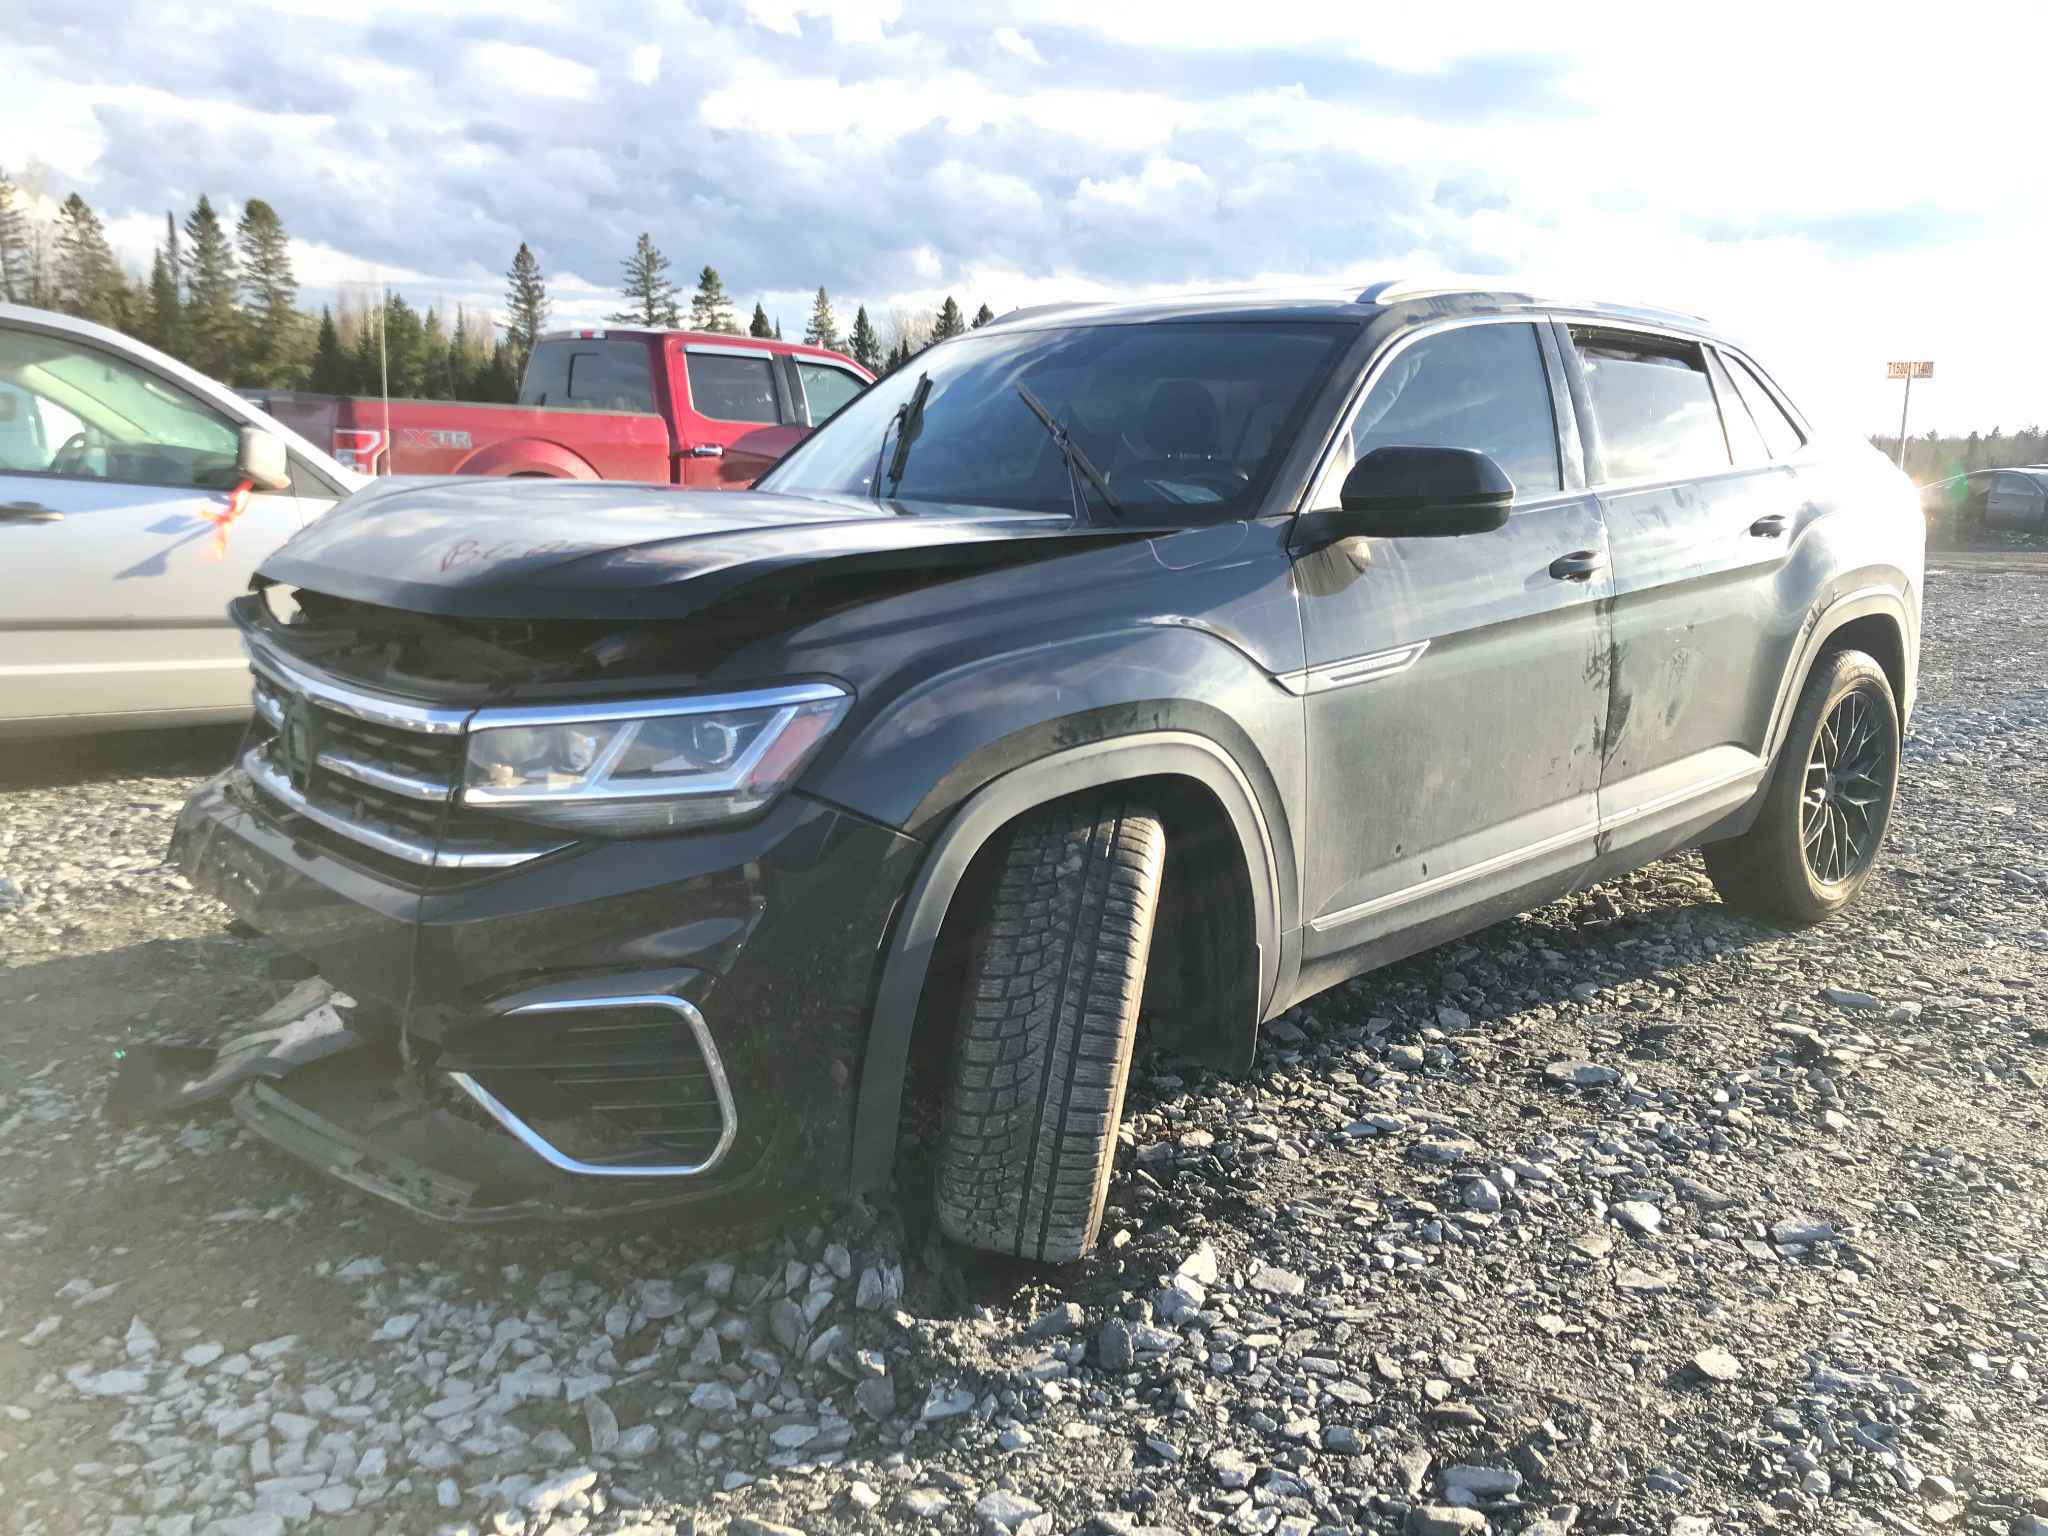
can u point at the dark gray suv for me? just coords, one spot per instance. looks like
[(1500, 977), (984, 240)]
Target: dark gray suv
[(1178, 660)]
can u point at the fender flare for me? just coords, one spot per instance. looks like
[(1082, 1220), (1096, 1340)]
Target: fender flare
[(1821, 624), (527, 456), (914, 937)]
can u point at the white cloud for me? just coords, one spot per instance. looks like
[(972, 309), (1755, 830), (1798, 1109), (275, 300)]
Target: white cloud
[(1017, 45), (853, 21), (1827, 192), (535, 71)]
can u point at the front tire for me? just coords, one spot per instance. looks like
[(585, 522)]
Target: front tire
[(1828, 805), (1055, 975)]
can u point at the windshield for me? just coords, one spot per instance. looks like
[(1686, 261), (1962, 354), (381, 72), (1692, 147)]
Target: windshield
[(1185, 421)]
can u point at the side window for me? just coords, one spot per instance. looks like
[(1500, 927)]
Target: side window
[(826, 389), (1480, 387), (1745, 440), (729, 388), (595, 375), (1779, 432), (1652, 404), (89, 415)]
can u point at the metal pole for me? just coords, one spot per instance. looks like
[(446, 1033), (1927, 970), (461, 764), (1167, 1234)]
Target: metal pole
[(1904, 405)]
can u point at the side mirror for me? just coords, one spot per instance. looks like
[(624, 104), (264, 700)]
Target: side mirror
[(262, 459), (1407, 493)]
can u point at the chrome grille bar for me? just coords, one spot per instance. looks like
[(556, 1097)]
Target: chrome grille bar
[(274, 784), (383, 778)]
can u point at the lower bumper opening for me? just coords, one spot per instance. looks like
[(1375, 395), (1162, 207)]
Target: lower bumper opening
[(609, 1087), (362, 1118)]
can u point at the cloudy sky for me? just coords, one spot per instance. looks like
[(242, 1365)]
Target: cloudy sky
[(1840, 192)]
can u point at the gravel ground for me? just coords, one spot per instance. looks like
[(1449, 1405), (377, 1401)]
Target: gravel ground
[(1625, 1215)]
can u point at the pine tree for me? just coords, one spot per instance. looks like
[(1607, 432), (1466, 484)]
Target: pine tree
[(982, 316), (405, 339), (823, 331), (434, 383), (166, 327), (646, 285), (526, 306), (497, 382), (269, 291), (759, 325), (710, 309), (14, 254), (331, 374), (89, 281), (949, 323), (211, 323), (778, 327), (165, 330), (863, 344)]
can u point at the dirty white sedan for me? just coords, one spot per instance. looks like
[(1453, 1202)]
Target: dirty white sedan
[(136, 496)]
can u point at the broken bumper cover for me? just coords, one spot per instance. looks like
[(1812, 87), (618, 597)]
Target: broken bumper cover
[(541, 1074)]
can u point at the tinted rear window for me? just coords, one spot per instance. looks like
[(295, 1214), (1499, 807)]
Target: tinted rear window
[(1653, 406), (728, 388), (1770, 417), (593, 375)]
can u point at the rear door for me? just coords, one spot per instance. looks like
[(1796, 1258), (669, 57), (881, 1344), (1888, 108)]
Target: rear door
[(1455, 686), (735, 414), (2014, 502), (1702, 510), (118, 575)]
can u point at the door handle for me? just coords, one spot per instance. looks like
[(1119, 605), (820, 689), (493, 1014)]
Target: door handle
[(1770, 526), (707, 450), (29, 512), (1579, 565)]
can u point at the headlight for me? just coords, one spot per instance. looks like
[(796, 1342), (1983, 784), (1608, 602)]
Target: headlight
[(637, 767)]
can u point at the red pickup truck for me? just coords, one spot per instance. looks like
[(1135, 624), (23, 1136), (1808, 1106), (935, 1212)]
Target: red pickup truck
[(690, 408)]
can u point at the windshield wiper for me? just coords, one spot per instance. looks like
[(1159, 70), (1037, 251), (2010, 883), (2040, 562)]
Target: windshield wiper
[(1078, 462), (907, 423)]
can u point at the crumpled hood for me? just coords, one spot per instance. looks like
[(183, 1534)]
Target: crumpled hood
[(482, 548)]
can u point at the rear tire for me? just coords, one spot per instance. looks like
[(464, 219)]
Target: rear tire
[(1828, 805), (1054, 977)]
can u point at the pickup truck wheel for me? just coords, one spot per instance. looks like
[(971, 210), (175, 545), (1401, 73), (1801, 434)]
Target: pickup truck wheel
[(1054, 976), (1829, 801)]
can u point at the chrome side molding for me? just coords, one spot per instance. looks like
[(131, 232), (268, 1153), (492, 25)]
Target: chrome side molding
[(1353, 669)]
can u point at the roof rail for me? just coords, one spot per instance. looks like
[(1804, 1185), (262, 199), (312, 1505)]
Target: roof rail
[(1400, 289), (1395, 290)]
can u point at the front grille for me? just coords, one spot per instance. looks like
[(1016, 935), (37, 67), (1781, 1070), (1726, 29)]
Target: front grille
[(377, 773), (627, 1087)]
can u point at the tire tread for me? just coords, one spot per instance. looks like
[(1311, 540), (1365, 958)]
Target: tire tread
[(1042, 1055)]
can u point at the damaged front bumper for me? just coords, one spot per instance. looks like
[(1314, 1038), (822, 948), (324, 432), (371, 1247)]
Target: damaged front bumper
[(619, 1026), (337, 1093)]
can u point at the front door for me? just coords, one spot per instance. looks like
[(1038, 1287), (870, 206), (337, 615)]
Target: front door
[(735, 416), (118, 577), (1456, 687)]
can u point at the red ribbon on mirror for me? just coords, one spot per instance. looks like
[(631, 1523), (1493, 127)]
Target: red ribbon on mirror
[(238, 501)]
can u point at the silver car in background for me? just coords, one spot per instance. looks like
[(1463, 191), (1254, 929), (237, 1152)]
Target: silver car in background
[(122, 532)]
